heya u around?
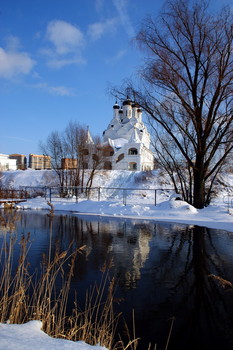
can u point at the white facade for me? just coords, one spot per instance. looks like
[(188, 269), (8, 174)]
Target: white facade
[(128, 139), (6, 163)]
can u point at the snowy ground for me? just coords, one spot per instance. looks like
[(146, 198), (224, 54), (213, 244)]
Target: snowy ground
[(29, 336), (218, 215), (214, 216)]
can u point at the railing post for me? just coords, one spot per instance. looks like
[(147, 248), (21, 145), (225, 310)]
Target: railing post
[(98, 194), (124, 196), (155, 198), (50, 194)]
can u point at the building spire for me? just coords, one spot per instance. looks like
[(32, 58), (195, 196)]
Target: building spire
[(89, 137)]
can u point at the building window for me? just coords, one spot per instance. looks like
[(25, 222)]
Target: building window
[(85, 152), (108, 165), (108, 152), (95, 157), (132, 166), (133, 151), (120, 157)]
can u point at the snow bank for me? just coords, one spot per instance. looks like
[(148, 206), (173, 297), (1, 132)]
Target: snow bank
[(30, 336), (214, 216)]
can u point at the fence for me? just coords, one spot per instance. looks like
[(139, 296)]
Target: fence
[(11, 193), (23, 192), (126, 195), (228, 200)]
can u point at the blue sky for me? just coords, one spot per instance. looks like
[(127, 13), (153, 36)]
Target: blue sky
[(57, 59)]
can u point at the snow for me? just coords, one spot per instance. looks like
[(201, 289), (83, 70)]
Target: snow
[(29, 177), (30, 336), (168, 208), (214, 216), (117, 143)]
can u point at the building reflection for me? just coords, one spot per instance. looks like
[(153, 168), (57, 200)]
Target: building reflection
[(126, 243)]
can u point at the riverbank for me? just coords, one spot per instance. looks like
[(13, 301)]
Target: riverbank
[(217, 215)]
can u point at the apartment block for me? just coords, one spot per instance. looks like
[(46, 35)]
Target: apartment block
[(21, 160), (69, 163), (39, 162)]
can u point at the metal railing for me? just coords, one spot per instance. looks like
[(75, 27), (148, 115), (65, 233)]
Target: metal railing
[(12, 193), (126, 195), (228, 200), (76, 193)]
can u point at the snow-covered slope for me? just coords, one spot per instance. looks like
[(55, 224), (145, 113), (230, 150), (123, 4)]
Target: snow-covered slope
[(103, 178), (28, 177)]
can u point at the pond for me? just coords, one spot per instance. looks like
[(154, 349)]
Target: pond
[(166, 272)]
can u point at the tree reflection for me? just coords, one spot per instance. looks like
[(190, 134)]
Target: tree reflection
[(202, 309)]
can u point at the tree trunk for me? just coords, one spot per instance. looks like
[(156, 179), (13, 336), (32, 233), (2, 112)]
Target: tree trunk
[(198, 188)]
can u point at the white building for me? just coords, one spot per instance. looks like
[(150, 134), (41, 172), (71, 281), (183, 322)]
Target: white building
[(126, 140), (6, 163)]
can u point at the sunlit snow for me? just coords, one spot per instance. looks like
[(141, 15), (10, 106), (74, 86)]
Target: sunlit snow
[(29, 336)]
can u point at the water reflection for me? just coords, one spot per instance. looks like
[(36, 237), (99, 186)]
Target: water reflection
[(163, 271)]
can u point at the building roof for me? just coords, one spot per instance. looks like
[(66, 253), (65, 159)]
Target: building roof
[(116, 106), (134, 137), (127, 102), (38, 155), (17, 155)]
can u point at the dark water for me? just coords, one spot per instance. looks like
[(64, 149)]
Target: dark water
[(163, 272)]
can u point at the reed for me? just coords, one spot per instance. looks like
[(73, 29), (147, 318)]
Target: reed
[(26, 296)]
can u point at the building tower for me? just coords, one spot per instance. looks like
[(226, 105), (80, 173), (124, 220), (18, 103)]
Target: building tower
[(128, 138)]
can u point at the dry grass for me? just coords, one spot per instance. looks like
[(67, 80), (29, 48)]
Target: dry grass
[(26, 296), (51, 210), (222, 282)]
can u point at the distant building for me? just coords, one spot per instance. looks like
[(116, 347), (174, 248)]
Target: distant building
[(126, 140), (21, 160), (6, 163), (39, 162), (69, 163)]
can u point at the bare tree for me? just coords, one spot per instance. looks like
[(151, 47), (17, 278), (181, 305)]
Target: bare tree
[(97, 159), (75, 142), (187, 86), (74, 155), (54, 147)]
